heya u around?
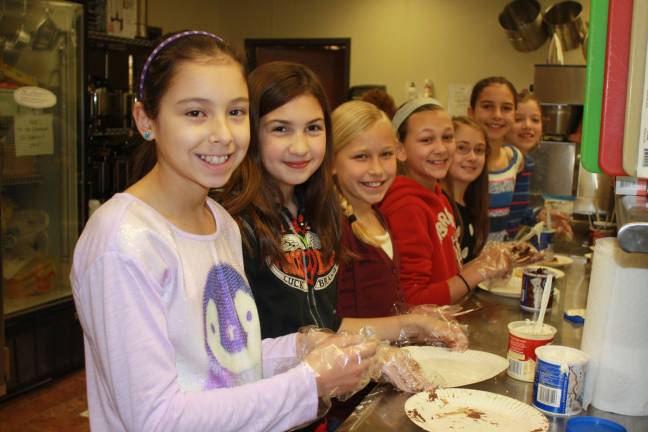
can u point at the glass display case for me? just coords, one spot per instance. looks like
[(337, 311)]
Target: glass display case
[(40, 122)]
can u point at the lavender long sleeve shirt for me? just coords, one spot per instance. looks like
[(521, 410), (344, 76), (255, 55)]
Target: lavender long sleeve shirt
[(171, 330)]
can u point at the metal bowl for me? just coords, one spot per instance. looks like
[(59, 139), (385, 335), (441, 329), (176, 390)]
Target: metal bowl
[(560, 119)]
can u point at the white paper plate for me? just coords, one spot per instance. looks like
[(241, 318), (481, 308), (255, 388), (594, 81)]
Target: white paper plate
[(512, 287), (558, 261), (472, 410), (456, 369)]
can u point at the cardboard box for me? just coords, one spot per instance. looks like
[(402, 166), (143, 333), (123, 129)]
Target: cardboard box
[(121, 18)]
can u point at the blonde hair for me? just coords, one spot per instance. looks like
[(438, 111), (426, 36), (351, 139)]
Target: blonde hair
[(350, 120)]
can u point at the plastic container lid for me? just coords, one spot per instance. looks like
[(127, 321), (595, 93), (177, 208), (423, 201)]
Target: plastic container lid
[(593, 424), (576, 316)]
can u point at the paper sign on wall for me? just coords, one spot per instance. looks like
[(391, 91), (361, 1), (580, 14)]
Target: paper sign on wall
[(34, 134), (459, 99)]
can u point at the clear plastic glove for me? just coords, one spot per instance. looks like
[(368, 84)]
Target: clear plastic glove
[(433, 325), (341, 364), (308, 338), (397, 367), (494, 261)]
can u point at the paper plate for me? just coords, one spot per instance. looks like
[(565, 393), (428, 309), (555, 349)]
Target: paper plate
[(456, 369), (558, 261), (472, 410), (512, 287)]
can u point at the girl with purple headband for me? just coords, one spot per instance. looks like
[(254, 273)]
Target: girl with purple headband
[(171, 328)]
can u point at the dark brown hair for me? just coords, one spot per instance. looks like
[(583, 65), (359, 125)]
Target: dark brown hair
[(482, 84), (476, 196), (381, 99), (253, 194), (401, 132), (160, 73)]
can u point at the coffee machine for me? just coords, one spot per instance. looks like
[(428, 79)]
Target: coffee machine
[(558, 171)]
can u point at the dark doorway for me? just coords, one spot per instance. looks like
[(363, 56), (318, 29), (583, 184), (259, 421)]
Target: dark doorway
[(330, 59)]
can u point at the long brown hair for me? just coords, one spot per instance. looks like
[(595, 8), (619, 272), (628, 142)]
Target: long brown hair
[(476, 196), (254, 195)]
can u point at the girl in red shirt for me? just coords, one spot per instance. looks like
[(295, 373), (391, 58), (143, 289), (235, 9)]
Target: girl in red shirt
[(421, 217)]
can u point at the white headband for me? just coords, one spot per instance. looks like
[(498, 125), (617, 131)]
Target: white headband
[(406, 110)]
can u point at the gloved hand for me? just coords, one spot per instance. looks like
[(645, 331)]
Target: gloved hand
[(341, 364), (559, 221), (494, 261), (397, 367), (433, 325), (308, 337)]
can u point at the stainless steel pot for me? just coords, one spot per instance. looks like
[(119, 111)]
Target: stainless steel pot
[(523, 24), (560, 119), (565, 20)]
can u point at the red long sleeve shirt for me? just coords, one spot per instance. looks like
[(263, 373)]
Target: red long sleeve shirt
[(425, 237)]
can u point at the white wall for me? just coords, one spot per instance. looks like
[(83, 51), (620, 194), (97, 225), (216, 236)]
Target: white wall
[(392, 41)]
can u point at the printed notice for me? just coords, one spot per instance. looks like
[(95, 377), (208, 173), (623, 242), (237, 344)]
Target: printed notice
[(459, 99), (34, 134)]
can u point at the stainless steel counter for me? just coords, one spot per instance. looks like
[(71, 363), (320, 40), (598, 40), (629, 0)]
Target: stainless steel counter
[(382, 409)]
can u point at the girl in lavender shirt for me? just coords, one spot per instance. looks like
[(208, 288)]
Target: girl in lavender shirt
[(171, 328)]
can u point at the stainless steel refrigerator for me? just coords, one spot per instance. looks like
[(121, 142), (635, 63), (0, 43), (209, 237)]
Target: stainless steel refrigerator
[(40, 129)]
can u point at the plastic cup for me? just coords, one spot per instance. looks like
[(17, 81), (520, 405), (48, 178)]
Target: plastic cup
[(545, 240), (522, 344), (601, 229), (534, 279)]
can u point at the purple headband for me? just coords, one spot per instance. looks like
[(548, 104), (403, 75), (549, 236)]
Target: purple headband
[(161, 46)]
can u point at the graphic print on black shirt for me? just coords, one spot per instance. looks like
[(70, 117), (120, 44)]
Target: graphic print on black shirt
[(302, 252)]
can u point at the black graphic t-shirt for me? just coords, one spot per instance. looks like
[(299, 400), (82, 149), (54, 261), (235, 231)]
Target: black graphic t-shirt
[(298, 291)]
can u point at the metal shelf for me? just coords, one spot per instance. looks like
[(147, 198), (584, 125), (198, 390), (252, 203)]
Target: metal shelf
[(13, 181), (104, 37), (113, 132)]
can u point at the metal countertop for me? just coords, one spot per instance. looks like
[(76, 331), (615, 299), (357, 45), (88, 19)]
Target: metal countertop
[(382, 409)]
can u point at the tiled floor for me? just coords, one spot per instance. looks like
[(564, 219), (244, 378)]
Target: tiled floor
[(56, 406)]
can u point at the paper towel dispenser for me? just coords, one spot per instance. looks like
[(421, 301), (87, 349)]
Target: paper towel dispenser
[(632, 215)]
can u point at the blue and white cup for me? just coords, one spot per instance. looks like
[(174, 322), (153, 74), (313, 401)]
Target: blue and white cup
[(559, 380), (544, 240)]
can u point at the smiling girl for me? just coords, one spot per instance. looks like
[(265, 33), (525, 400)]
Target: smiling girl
[(492, 104), (467, 180), (171, 329), (364, 145), (285, 201), (421, 217)]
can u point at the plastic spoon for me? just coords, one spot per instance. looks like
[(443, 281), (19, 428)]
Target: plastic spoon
[(546, 292)]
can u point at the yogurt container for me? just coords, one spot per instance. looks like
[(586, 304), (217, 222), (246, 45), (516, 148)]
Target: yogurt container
[(559, 380), (522, 343)]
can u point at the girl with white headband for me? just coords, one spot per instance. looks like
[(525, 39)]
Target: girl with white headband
[(421, 217)]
